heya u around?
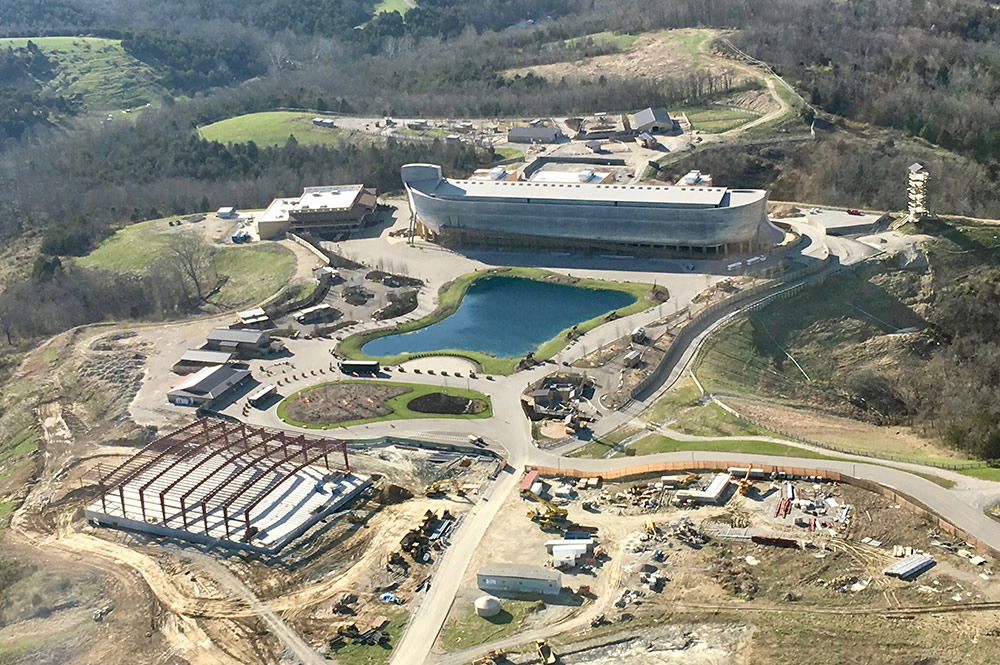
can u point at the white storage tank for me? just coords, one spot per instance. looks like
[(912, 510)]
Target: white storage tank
[(487, 606)]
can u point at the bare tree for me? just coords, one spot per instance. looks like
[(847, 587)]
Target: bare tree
[(193, 259)]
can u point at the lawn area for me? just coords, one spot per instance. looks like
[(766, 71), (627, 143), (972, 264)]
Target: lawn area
[(271, 128), (718, 119), (690, 40), (131, 249), (451, 295), (471, 629), (256, 272), (712, 420), (657, 443), (98, 69), (508, 153), (392, 6), (397, 404), (683, 395), (984, 473)]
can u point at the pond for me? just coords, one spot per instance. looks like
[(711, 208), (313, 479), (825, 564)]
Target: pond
[(505, 317)]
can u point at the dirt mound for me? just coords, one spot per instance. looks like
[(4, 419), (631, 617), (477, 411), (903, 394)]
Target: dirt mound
[(446, 404)]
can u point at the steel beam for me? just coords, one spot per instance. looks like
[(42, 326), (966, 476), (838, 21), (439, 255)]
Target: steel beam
[(166, 451), (163, 505)]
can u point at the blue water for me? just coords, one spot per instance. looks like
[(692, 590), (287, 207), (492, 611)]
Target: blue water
[(505, 317)]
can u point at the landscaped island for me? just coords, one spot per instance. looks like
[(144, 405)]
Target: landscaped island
[(355, 402), (520, 324)]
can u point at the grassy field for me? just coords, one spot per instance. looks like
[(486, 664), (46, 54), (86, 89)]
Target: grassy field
[(271, 128), (392, 6), (618, 40), (508, 153), (398, 404), (451, 296), (98, 69), (713, 420), (471, 629), (682, 396), (718, 119), (131, 249), (657, 443), (985, 473), (255, 271), (690, 40)]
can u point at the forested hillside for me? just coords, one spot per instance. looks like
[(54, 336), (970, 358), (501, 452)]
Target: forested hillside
[(878, 70)]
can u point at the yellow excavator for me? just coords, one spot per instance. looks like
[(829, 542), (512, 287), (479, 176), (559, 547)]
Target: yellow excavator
[(552, 514), (745, 484)]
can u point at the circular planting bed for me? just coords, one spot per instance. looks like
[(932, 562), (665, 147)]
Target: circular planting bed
[(334, 403), (451, 405)]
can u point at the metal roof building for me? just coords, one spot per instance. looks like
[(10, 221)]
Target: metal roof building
[(514, 578), (533, 135), (634, 218), (195, 358), (207, 385), (652, 120)]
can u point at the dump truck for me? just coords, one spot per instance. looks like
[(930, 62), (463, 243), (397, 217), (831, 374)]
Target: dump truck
[(545, 652)]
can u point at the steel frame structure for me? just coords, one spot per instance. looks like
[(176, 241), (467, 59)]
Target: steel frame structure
[(207, 440)]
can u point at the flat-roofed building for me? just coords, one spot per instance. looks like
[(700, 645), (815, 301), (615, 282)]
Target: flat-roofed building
[(206, 386), (328, 209), (512, 578), (634, 219)]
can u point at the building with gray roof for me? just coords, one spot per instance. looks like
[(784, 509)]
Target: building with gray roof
[(514, 578), (652, 120), (207, 385), (533, 135)]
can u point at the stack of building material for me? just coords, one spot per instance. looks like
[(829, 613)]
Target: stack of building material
[(909, 567)]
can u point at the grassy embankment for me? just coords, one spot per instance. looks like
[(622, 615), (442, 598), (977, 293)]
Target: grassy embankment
[(398, 404), (270, 128), (450, 297), (97, 69), (466, 629), (255, 271), (717, 119)]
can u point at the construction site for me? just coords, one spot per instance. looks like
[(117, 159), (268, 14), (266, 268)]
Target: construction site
[(692, 543)]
